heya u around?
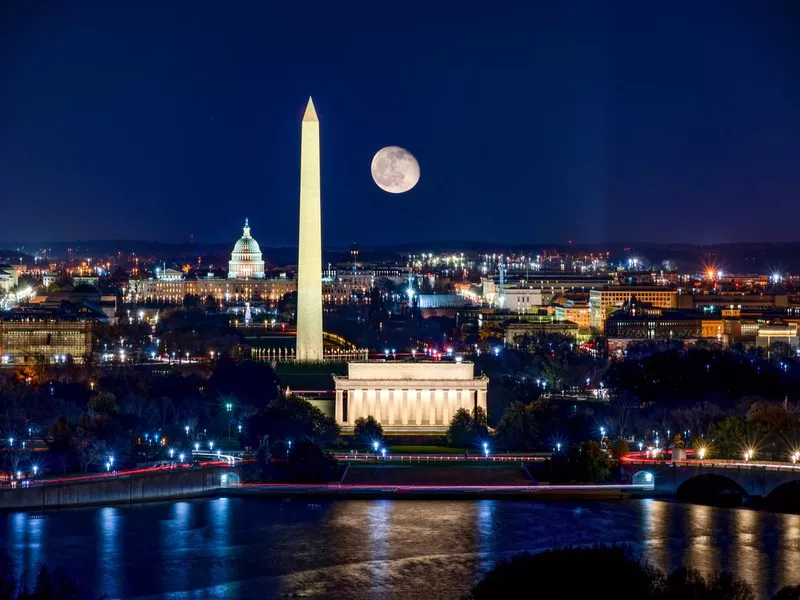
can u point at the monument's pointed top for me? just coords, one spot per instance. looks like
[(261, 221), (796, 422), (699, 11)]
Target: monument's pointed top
[(311, 112)]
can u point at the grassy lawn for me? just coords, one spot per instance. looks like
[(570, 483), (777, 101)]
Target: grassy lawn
[(428, 450)]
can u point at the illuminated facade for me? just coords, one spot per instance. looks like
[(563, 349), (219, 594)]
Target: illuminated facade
[(408, 397), (575, 312), (33, 341), (246, 260), (222, 290), (605, 301), (778, 333)]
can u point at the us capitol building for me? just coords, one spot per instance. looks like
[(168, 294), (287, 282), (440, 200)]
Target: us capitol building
[(246, 281), (246, 261)]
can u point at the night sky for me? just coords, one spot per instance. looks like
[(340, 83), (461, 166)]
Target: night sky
[(646, 121)]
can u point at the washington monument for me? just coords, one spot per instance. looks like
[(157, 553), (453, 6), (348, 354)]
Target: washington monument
[(309, 262)]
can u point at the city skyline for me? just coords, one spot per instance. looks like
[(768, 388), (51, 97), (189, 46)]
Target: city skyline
[(545, 117)]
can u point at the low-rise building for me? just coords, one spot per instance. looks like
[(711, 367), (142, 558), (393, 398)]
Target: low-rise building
[(42, 339), (574, 312), (605, 301), (778, 332)]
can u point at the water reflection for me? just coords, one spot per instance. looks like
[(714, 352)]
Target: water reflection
[(748, 560), (655, 546), (701, 545), (787, 553), (174, 540), (485, 526), (379, 523), (251, 547), (110, 559)]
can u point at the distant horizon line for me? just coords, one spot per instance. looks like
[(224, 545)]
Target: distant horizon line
[(32, 246)]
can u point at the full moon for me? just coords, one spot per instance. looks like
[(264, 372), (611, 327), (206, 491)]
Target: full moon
[(395, 170)]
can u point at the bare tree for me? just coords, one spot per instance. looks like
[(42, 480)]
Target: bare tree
[(88, 450), (620, 415)]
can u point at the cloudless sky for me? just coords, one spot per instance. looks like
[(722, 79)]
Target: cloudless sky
[(533, 122)]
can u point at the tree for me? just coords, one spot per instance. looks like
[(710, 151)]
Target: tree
[(620, 448), (467, 429), (620, 414), (291, 418), (591, 464), (103, 403), (87, 448), (728, 437), (777, 423), (518, 429), (516, 577), (687, 583), (491, 332), (460, 434), (480, 423), (367, 430)]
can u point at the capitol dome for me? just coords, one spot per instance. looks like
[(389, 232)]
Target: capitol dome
[(246, 261)]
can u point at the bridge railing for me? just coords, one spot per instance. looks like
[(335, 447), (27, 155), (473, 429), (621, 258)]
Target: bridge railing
[(719, 464)]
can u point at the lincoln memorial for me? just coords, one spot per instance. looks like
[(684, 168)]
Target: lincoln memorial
[(408, 397)]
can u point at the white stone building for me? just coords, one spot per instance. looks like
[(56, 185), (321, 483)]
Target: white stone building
[(408, 397)]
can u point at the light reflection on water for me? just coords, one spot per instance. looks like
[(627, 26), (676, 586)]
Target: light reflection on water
[(251, 547)]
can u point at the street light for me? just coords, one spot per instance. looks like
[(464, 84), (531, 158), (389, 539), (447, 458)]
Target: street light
[(171, 452), (196, 446), (795, 456), (181, 457), (211, 446), (383, 452), (375, 446), (35, 470), (186, 429), (701, 453)]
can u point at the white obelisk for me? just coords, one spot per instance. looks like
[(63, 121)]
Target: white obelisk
[(309, 262)]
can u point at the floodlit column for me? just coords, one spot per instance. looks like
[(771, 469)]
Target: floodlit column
[(338, 410), (392, 407), (309, 262), (482, 399)]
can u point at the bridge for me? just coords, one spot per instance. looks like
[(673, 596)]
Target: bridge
[(750, 478)]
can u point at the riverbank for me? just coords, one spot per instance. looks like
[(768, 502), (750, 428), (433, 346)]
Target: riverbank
[(120, 488)]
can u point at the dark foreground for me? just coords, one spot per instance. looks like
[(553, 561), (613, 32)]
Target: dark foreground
[(259, 547)]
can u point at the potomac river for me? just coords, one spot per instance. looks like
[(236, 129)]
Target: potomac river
[(435, 549)]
